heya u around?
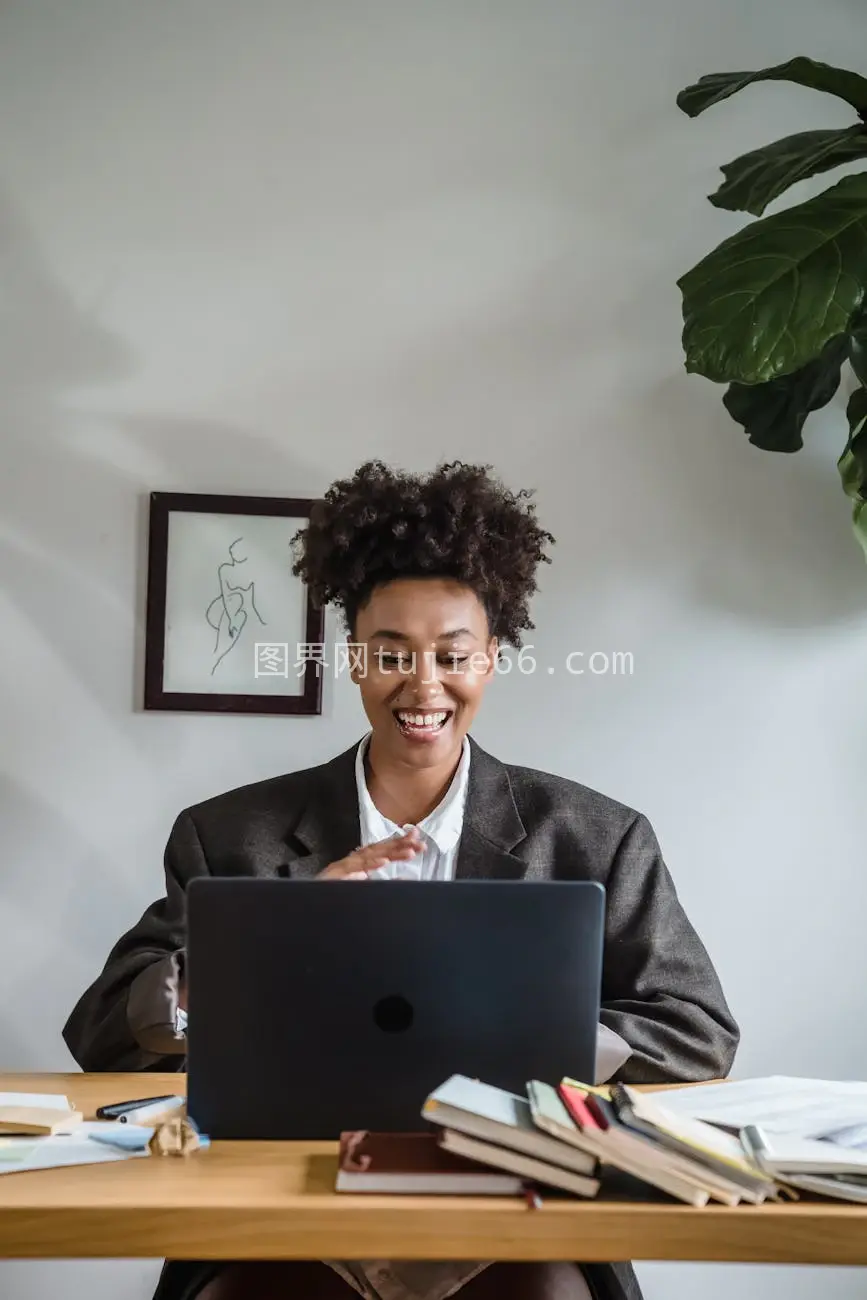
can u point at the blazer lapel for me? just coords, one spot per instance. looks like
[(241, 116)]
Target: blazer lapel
[(492, 823), (329, 826)]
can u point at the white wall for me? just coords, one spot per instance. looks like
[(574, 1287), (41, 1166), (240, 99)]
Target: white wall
[(245, 246)]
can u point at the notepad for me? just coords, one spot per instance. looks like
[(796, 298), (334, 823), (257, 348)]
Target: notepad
[(35, 1113), (780, 1154), (37, 1121), (48, 1100)]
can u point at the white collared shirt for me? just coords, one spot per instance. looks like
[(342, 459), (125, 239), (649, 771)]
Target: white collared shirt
[(440, 830)]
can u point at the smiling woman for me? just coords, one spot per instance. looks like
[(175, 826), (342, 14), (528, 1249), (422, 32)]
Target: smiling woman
[(432, 574)]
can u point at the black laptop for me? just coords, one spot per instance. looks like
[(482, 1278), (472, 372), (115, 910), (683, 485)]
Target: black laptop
[(317, 1006)]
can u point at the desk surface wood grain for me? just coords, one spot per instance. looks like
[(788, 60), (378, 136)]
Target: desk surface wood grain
[(273, 1200)]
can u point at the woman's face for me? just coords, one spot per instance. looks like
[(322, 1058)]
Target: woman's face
[(429, 657)]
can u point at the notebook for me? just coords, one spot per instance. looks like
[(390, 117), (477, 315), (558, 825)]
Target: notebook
[(781, 1154), (627, 1143), (637, 1155), (531, 1168), (36, 1113), (414, 1164), (493, 1115), (712, 1150), (550, 1114), (839, 1188), (37, 1120)]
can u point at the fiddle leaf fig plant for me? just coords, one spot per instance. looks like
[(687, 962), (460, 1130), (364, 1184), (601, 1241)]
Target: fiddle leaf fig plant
[(777, 310)]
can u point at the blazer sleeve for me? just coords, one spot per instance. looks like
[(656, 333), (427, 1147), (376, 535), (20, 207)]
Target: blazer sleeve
[(126, 1020), (660, 991)]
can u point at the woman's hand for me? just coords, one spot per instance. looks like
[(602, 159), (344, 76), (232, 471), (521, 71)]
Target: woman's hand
[(358, 864)]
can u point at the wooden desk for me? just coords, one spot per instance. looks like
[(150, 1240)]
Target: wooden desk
[(272, 1200)]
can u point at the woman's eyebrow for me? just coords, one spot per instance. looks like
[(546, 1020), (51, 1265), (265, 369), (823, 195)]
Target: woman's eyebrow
[(389, 634), (458, 632)]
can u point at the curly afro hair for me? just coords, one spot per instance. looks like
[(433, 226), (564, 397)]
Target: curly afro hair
[(458, 522)]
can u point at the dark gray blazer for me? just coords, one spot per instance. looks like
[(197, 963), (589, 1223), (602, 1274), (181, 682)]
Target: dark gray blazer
[(659, 989)]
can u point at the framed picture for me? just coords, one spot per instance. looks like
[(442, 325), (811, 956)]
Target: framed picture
[(229, 629)]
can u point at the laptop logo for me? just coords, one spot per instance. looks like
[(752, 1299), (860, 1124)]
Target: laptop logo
[(393, 1015)]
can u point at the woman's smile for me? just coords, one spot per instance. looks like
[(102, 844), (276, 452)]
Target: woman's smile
[(423, 727)]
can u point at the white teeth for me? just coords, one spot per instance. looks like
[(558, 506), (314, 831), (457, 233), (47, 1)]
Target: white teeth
[(421, 719)]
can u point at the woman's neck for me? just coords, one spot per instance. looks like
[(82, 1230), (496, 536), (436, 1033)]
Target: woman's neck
[(406, 794)]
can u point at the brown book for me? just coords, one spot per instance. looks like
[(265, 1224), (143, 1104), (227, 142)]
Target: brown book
[(415, 1164)]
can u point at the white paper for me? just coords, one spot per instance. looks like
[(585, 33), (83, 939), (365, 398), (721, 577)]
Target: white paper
[(41, 1100), (22, 1154), (230, 589), (805, 1107)]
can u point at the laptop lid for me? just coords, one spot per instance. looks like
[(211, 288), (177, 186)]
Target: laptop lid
[(319, 1006)]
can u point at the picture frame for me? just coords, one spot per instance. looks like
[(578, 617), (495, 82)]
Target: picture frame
[(222, 601)]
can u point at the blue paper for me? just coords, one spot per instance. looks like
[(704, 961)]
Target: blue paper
[(128, 1137)]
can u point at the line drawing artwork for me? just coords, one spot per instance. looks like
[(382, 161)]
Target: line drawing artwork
[(227, 613)]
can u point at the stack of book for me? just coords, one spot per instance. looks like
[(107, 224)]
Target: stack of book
[(483, 1140)]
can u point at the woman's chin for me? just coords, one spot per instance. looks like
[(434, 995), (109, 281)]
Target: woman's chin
[(423, 745)]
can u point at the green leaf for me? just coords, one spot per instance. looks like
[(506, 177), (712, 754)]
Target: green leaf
[(755, 179), (853, 464), (773, 414), (858, 351), (767, 300), (717, 86)]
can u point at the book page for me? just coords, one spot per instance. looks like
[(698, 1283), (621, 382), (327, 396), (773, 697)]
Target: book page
[(779, 1104)]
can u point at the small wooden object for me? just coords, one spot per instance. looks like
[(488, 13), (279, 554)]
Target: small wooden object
[(174, 1137), (37, 1121)]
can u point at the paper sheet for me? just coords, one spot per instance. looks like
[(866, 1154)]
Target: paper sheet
[(812, 1108), (19, 1155)]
